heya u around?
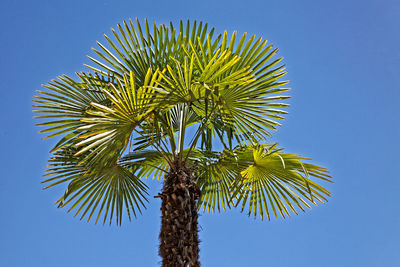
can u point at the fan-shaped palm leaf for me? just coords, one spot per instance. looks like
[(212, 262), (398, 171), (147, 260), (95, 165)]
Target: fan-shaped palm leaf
[(66, 104), (104, 191), (277, 181), (107, 131)]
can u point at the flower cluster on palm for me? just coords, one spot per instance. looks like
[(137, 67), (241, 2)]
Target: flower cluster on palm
[(185, 105)]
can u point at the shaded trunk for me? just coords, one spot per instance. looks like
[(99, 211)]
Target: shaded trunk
[(179, 242)]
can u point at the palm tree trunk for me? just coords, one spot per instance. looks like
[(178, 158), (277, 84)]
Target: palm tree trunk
[(179, 242)]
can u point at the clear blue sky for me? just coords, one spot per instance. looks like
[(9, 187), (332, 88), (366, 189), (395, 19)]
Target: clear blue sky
[(344, 65)]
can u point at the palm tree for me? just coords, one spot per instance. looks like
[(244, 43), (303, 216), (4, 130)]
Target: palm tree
[(184, 105)]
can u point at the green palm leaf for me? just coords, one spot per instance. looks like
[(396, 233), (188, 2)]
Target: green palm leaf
[(66, 103), (107, 131), (104, 191), (263, 179), (138, 48), (271, 181)]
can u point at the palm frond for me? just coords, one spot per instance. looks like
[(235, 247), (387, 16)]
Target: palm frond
[(66, 103), (261, 178), (107, 131), (276, 182), (138, 48), (105, 192)]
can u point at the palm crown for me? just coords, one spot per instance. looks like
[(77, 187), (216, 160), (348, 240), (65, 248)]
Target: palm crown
[(159, 98)]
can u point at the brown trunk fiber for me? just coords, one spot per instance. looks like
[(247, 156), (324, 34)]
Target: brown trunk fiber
[(179, 242)]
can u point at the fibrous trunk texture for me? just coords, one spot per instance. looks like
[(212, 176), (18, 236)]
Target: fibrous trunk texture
[(179, 241)]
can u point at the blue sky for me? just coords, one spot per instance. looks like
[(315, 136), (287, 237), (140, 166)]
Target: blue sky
[(343, 61)]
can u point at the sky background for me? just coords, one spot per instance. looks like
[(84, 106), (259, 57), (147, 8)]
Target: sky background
[(343, 61)]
